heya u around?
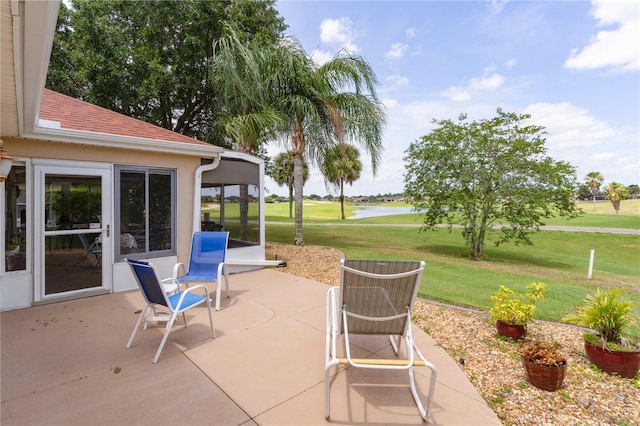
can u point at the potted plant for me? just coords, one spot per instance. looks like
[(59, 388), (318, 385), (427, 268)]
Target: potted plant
[(544, 364), (512, 310), (607, 346)]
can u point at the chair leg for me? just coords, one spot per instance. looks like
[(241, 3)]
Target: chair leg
[(327, 387), (395, 345), (218, 283), (167, 330), (327, 393), (425, 412), (135, 329), (330, 347), (226, 282), (213, 331)]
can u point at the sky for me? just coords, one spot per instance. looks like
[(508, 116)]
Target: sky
[(574, 66)]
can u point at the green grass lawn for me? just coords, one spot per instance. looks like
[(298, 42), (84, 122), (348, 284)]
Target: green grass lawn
[(558, 258), (325, 211)]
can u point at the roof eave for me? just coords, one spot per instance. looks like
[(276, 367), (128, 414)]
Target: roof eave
[(40, 20), (123, 142)]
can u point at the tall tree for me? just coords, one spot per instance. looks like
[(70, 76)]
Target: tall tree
[(324, 105), (282, 173), (594, 180), (484, 173), (246, 119), (616, 192), (149, 59), (64, 75), (341, 164)]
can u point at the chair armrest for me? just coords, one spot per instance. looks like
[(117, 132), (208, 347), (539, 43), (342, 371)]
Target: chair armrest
[(191, 290), (170, 285), (178, 267)]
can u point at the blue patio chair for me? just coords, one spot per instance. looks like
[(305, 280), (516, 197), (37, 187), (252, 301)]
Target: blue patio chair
[(206, 262), (161, 307), (376, 297)]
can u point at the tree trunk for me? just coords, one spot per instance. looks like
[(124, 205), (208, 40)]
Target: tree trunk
[(244, 210), (478, 243), (243, 198), (298, 181), (616, 205), (342, 198), (290, 201)]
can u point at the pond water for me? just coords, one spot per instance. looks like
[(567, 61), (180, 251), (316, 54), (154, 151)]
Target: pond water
[(362, 212)]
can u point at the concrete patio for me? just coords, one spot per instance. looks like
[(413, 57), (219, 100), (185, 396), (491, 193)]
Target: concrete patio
[(66, 364)]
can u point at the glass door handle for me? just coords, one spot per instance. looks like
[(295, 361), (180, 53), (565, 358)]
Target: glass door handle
[(108, 230)]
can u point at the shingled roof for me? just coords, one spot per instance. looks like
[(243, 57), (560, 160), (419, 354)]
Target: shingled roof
[(74, 114)]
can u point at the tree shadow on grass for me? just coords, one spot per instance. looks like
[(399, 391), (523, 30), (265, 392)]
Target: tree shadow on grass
[(507, 258)]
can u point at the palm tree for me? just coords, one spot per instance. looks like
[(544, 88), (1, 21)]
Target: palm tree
[(616, 192), (282, 173), (594, 180), (320, 109), (248, 119), (341, 164)]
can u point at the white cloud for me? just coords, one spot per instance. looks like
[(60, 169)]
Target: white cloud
[(604, 156), (457, 93), (578, 137), (487, 83), (411, 32), (569, 126), (390, 103), (397, 81), (339, 33), (321, 57), (496, 6), (511, 63), (490, 82), (616, 48), (396, 51)]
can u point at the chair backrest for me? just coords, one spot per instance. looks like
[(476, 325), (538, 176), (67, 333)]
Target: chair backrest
[(374, 291), (148, 281), (208, 250)]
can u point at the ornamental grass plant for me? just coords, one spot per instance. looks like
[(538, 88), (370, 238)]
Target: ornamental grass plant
[(608, 316)]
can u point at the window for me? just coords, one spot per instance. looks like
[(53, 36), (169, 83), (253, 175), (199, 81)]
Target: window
[(233, 208), (145, 212), (15, 234), (230, 201)]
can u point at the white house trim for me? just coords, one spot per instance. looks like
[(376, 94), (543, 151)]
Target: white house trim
[(124, 142)]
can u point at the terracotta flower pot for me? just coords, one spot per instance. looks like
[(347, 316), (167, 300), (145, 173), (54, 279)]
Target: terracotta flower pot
[(626, 364), (513, 331), (545, 377)]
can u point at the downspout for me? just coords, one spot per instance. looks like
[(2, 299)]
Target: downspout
[(196, 190)]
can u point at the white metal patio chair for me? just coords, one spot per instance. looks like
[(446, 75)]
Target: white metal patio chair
[(376, 297), (161, 307)]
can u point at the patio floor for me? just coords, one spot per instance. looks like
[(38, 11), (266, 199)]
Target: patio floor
[(66, 364)]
